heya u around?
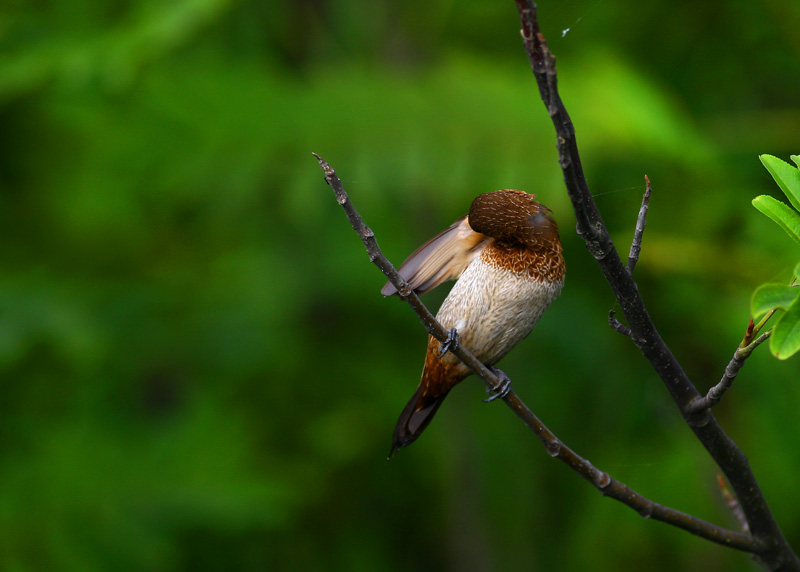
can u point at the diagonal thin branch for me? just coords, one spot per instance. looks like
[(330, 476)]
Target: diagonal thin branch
[(641, 222), (714, 394), (591, 228), (601, 480)]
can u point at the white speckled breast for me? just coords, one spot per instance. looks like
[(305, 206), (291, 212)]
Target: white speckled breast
[(494, 308)]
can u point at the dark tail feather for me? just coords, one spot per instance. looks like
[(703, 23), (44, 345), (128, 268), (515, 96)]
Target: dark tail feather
[(414, 419)]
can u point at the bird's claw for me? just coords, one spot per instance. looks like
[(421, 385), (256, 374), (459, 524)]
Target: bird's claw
[(450, 343), (501, 389)]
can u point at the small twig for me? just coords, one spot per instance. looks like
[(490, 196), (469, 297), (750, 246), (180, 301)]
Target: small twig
[(601, 480), (641, 222), (617, 325), (714, 394), (732, 502)]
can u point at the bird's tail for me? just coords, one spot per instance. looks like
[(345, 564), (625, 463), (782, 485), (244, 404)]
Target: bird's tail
[(415, 418)]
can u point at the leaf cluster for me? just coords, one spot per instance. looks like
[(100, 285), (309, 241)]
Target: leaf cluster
[(780, 300)]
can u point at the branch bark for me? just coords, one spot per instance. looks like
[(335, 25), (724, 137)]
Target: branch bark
[(778, 555), (555, 447)]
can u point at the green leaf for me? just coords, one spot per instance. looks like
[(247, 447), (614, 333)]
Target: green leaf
[(787, 177), (796, 159), (770, 296), (786, 218), (785, 340), (797, 272)]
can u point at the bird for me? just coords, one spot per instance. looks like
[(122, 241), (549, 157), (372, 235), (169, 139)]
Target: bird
[(507, 258)]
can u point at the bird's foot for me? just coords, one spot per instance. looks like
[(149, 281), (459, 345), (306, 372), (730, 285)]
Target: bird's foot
[(450, 343), (501, 389)]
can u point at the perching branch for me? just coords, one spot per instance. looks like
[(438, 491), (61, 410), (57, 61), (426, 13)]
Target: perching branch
[(601, 480), (405, 292), (778, 555)]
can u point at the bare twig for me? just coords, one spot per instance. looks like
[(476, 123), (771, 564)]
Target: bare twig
[(732, 503), (714, 394), (641, 222), (590, 227), (601, 480), (617, 325)]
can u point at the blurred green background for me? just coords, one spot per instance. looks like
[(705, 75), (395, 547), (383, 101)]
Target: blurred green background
[(198, 369)]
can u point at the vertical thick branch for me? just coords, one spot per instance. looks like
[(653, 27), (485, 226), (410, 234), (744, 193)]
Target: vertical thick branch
[(591, 228)]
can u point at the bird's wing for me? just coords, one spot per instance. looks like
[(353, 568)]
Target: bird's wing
[(442, 258)]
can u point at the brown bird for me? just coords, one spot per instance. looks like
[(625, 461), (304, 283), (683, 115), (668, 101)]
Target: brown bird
[(506, 255)]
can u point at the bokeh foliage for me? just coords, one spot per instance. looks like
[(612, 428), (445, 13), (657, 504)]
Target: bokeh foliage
[(199, 372)]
